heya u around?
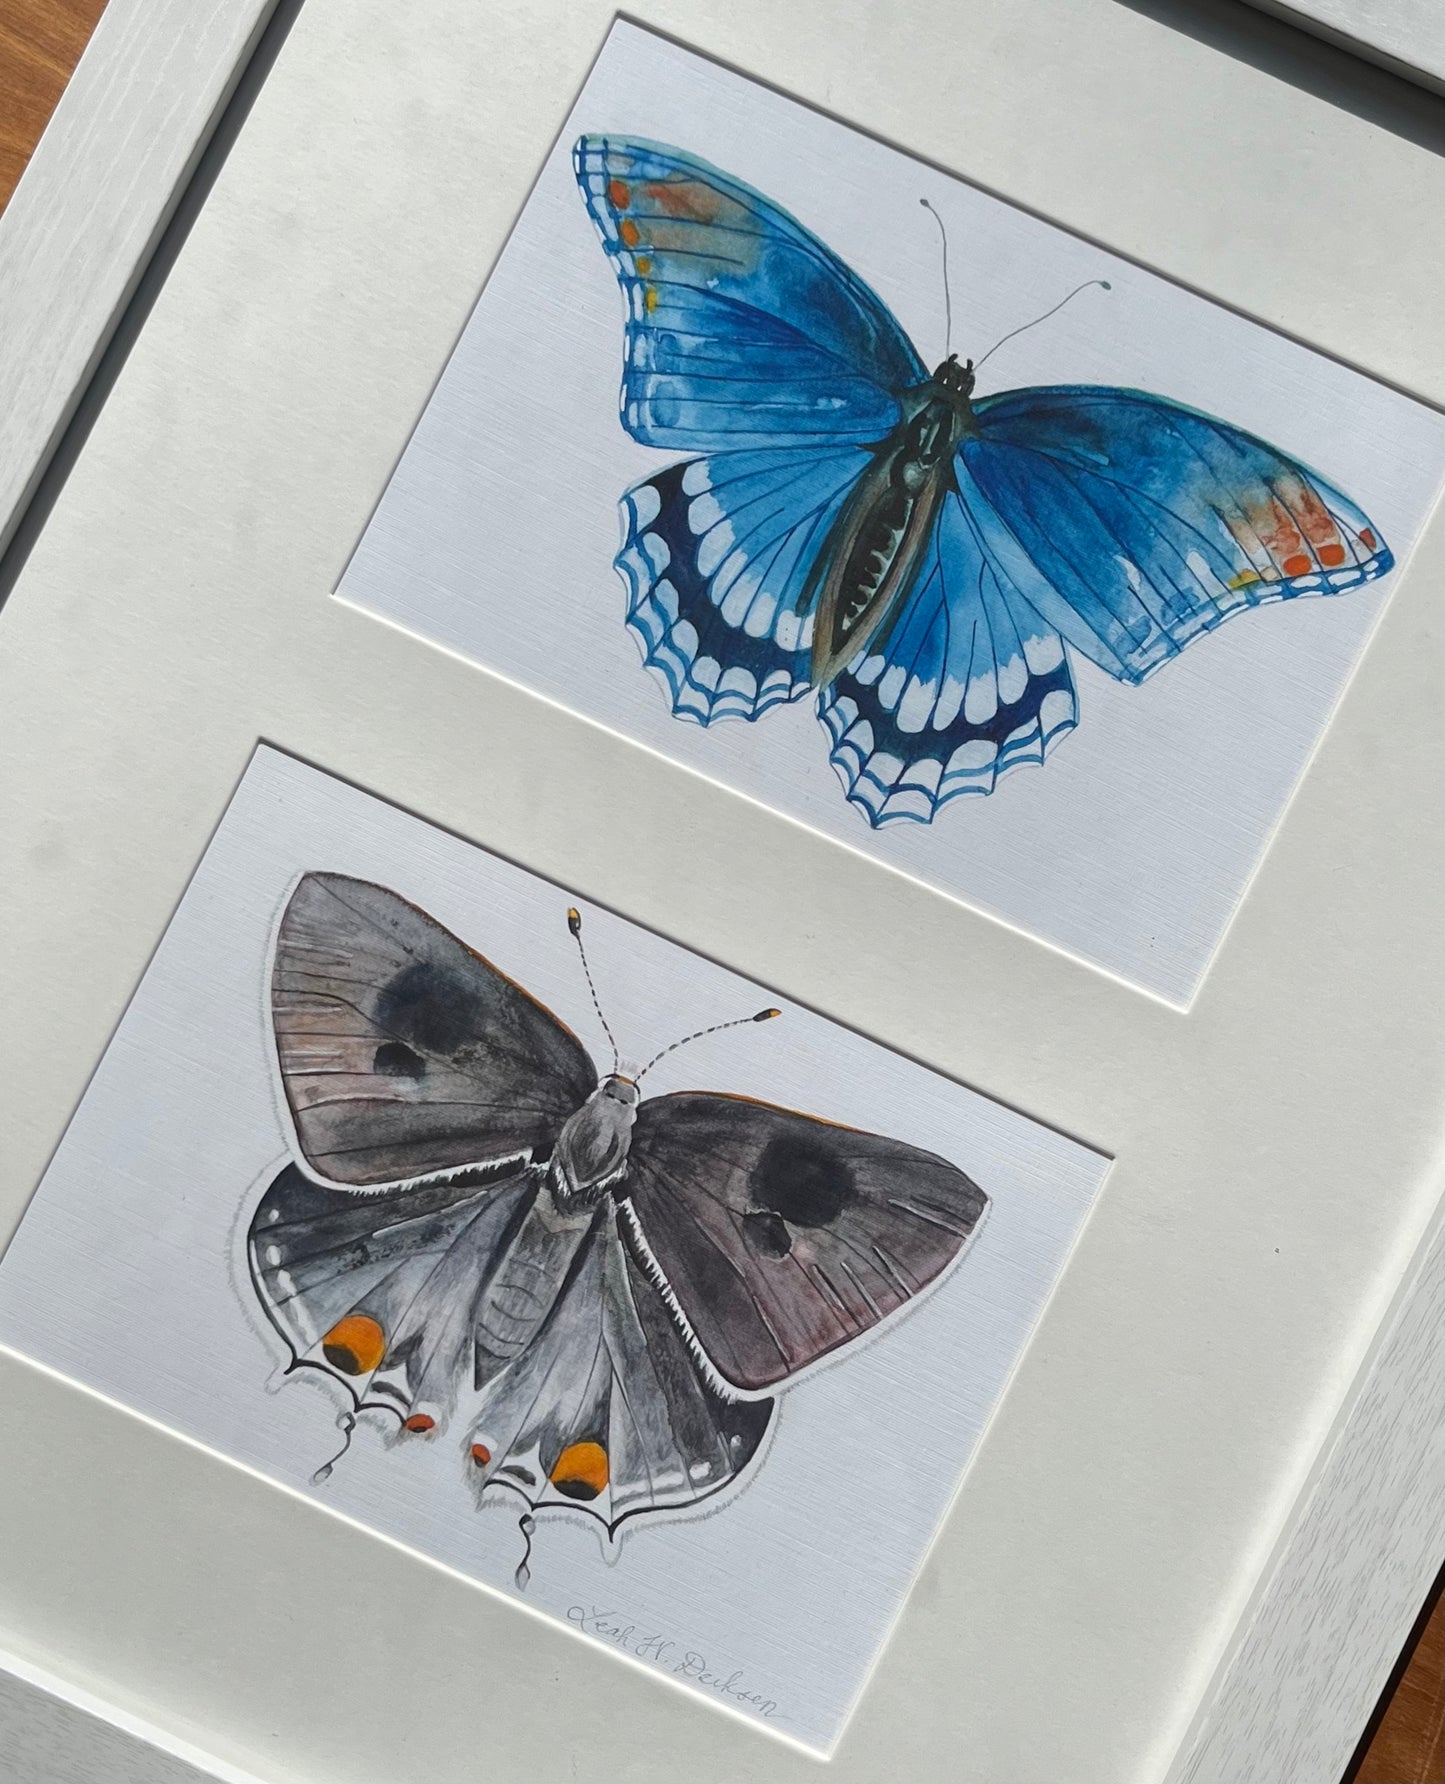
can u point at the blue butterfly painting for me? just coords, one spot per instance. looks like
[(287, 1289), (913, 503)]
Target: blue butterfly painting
[(912, 556)]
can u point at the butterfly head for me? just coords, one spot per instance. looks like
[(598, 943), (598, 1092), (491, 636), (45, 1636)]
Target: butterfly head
[(617, 1089), (957, 380)]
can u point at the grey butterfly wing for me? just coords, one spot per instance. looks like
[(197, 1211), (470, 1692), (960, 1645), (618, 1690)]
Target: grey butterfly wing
[(380, 1291), (403, 1051), (783, 1237), (608, 1409)]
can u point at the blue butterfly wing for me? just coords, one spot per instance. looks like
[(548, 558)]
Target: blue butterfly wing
[(716, 558), (969, 681), (1138, 524), (743, 330)]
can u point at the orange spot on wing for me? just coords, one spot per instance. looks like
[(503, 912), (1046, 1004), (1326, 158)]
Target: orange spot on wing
[(581, 1470), (420, 1422), (644, 266), (686, 198), (1320, 528), (1368, 539), (629, 232), (481, 1455), (620, 193), (354, 1345), (1278, 534)]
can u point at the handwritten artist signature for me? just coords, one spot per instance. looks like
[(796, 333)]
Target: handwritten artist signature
[(683, 1663)]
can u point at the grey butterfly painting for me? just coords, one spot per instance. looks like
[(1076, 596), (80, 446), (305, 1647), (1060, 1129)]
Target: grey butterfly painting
[(592, 1296)]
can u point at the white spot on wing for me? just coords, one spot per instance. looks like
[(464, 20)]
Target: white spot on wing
[(916, 705), (1056, 710), (1013, 678), (759, 621), (950, 701), (980, 702), (1043, 655), (646, 504)]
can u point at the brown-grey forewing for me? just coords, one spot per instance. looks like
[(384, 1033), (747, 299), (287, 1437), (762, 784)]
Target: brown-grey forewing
[(402, 1050), (783, 1237)]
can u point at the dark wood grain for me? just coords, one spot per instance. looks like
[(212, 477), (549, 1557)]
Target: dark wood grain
[(40, 43), (1407, 1739)]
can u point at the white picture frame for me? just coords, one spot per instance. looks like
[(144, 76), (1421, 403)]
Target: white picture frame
[(1343, 1470)]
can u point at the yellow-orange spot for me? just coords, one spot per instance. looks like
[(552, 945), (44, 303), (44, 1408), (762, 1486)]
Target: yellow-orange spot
[(1331, 556), (1296, 565), (620, 194), (581, 1470), (1245, 579), (354, 1345), (481, 1455), (649, 299), (1368, 539), (644, 266), (420, 1422), (629, 232)]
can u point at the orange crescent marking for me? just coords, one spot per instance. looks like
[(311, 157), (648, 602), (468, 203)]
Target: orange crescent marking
[(354, 1345), (581, 1470)]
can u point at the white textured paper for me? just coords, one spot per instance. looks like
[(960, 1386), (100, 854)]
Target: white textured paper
[(1130, 847), (129, 1272)]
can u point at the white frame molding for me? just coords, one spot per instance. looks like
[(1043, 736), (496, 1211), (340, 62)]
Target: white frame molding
[(93, 203), (1300, 1675)]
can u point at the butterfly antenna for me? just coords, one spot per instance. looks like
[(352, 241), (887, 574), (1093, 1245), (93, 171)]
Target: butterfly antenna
[(1103, 285), (947, 300), (574, 923), (717, 1028)]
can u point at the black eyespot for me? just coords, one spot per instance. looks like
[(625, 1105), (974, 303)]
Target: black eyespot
[(803, 1180), (394, 1059), (766, 1234), (432, 1008)]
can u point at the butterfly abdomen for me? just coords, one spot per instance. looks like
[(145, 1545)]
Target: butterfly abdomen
[(870, 559), (527, 1279)]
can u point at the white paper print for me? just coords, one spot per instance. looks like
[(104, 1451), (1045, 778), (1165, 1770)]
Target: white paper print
[(545, 1246), (939, 569)]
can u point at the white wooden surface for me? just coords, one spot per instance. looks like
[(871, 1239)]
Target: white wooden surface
[(1356, 1551), (1307, 1665), (52, 1732), (1407, 36), (93, 201)]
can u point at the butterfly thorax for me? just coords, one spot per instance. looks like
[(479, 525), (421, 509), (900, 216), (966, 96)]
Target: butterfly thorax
[(870, 559), (590, 1153), (591, 1149)]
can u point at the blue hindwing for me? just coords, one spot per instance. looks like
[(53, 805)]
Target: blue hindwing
[(968, 682), (716, 556)]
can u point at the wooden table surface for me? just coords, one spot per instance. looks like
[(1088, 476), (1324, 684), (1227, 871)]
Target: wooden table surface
[(40, 43)]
